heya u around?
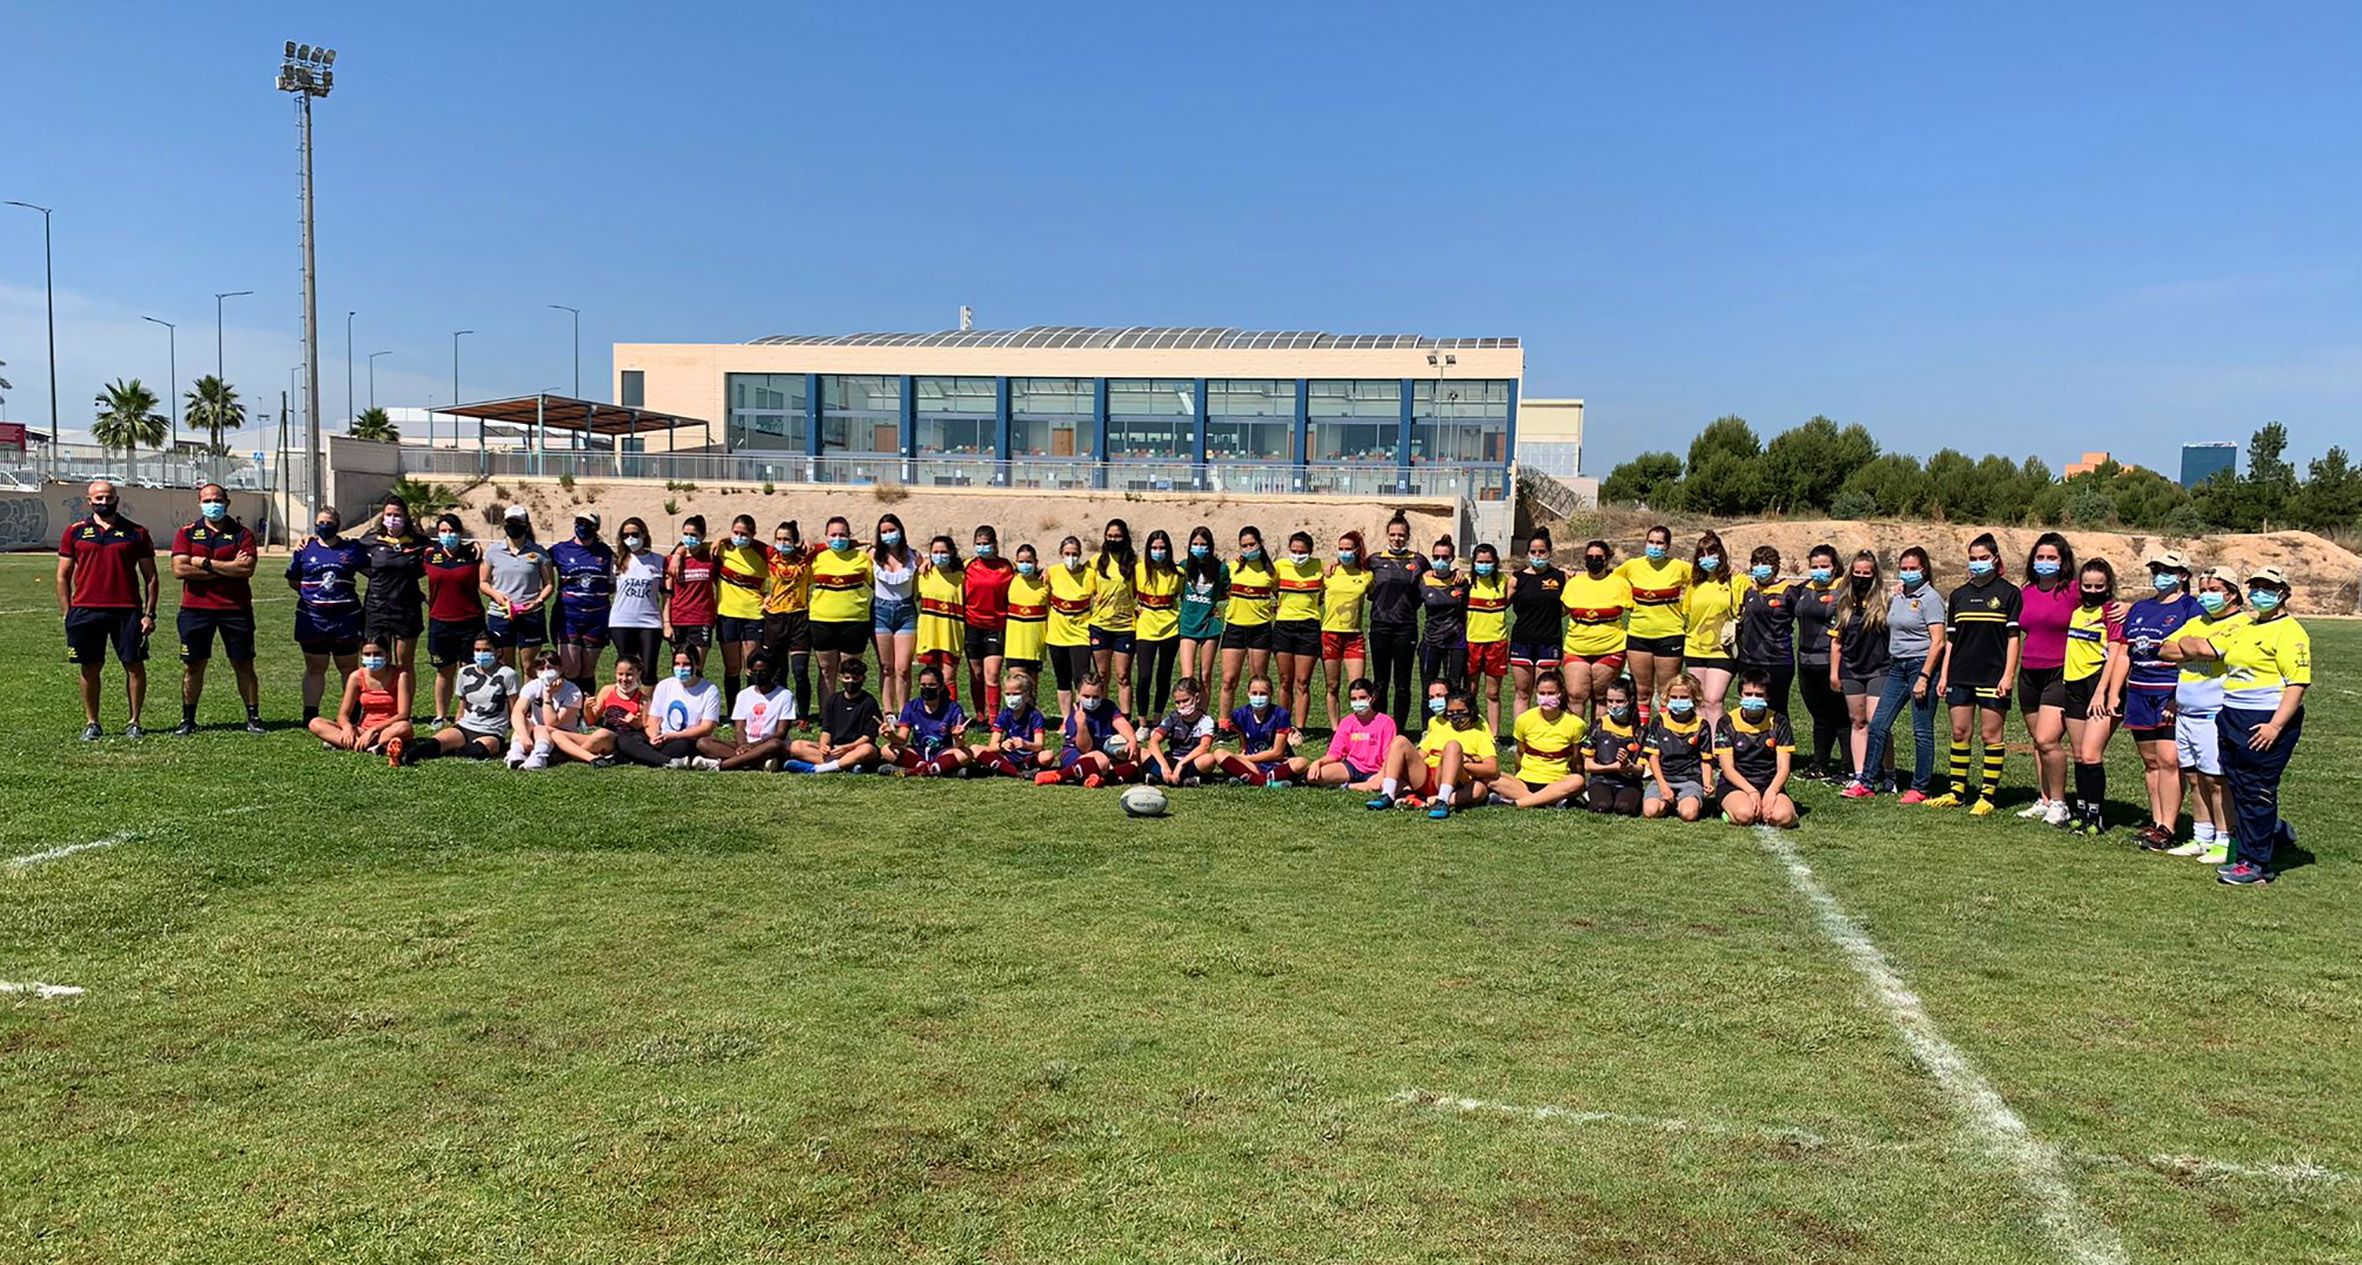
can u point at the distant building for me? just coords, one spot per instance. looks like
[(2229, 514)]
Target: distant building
[(2201, 462), (1550, 437), (2092, 461)]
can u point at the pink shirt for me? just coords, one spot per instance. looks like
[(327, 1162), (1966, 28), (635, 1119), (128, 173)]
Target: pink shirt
[(1362, 743), (2044, 616)]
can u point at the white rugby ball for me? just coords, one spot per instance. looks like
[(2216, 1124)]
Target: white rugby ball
[(1144, 801), (1115, 747)]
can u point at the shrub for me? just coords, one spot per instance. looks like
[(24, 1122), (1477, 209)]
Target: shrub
[(671, 507), (769, 487), (1853, 503), (566, 481), (889, 493)]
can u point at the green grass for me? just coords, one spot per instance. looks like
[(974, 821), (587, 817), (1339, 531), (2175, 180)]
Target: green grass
[(451, 1013)]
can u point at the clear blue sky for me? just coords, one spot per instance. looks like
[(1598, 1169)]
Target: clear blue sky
[(2015, 228)]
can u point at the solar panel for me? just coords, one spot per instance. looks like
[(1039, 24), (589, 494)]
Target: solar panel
[(1159, 337)]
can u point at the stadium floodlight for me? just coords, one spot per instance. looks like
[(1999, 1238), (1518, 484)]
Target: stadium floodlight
[(328, 58), (290, 50), (295, 76)]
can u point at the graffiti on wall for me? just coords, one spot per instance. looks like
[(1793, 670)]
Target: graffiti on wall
[(35, 520)]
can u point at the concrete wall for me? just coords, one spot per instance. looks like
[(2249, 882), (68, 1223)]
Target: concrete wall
[(359, 472), (35, 520)]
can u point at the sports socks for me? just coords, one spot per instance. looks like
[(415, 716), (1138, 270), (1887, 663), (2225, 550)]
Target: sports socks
[(1993, 756), (1960, 769), (1236, 766)]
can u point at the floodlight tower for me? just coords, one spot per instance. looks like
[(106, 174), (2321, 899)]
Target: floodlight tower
[(305, 71)]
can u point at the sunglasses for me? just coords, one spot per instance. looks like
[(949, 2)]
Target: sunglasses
[(1459, 718)]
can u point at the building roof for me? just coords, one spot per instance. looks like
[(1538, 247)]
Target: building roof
[(559, 412), (1143, 337)]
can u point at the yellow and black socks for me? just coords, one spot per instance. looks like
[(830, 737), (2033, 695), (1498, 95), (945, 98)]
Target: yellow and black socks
[(1993, 770), (1960, 769)]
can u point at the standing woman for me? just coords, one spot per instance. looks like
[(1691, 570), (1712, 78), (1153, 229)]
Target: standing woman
[(1443, 641), (1816, 620), (1246, 621), (2197, 703), (635, 619), (2139, 689), (1115, 610), (1859, 664), (454, 607), (1707, 611), (2269, 662), (394, 610), (586, 592), (894, 619), (1653, 645), (1914, 649), (1537, 632), (1069, 642), (787, 609), (842, 590), (2095, 645), (1488, 631), (1344, 650), (518, 581), (325, 573), (1597, 602), (1295, 625), (1767, 626), (1395, 572), (691, 603), (742, 570), (1029, 621), (2046, 605), (943, 611), (1156, 584), (1205, 586), (984, 604), (1981, 646)]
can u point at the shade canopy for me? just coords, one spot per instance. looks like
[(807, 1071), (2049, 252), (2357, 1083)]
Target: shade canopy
[(562, 412)]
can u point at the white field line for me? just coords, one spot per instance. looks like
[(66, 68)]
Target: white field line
[(32, 859), (46, 992), (1574, 1115), (2039, 1167)]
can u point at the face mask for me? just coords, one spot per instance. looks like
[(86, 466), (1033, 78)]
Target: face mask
[(1201, 551), (2212, 602), (393, 524), (449, 540), (1159, 555), (1361, 707), (214, 511), (2091, 598), (931, 693), (741, 539), (1709, 562), (1549, 702), (765, 679), (1594, 564), (2263, 601), (1073, 561), (849, 686), (889, 538), (1435, 706), (942, 561), (985, 549), (1185, 710), (375, 662), (486, 660), (841, 544), (634, 542), (1911, 579), (684, 674), (1621, 711), (1754, 706), (584, 531), (1299, 558), (1656, 553), (2165, 581), (515, 529), (1112, 544), (1258, 701), (782, 543), (1821, 575), (1090, 704), (1018, 702), (1346, 556), (1862, 583), (1537, 560), (1980, 567), (549, 676), (1762, 573), (1025, 568), (2046, 567), (1484, 568), (1443, 563), (690, 540), (324, 529), (1680, 706), (1250, 553), (103, 509)]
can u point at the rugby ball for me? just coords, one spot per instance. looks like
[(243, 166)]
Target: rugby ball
[(1144, 801), (1115, 747)]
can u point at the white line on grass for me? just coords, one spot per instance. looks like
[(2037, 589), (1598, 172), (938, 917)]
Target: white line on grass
[(46, 992), (1981, 1107), (1574, 1115), (37, 858)]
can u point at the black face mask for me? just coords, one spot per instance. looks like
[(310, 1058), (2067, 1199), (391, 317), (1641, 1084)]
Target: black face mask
[(1594, 564), (2094, 599), (765, 679), (103, 509), (931, 693), (1862, 583), (849, 688), (324, 529), (515, 530)]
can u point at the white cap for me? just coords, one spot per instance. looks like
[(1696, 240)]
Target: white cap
[(517, 511)]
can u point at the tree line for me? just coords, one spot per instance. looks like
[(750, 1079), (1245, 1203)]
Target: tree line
[(1821, 468)]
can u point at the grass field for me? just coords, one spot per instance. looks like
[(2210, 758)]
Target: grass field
[(452, 1013)]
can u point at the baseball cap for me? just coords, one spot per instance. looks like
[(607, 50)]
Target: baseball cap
[(588, 516), (2170, 559), (517, 511), (2269, 575)]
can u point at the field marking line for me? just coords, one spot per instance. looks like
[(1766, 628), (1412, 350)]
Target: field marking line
[(45, 992), (30, 860), (2039, 1167), (1576, 1115)]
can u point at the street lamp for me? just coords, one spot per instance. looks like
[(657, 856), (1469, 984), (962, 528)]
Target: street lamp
[(348, 368), (304, 71), (373, 375), (430, 418), (227, 294), (577, 345), (172, 380), (48, 283)]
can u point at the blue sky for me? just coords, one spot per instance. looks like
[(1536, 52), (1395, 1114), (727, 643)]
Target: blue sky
[(2029, 228)]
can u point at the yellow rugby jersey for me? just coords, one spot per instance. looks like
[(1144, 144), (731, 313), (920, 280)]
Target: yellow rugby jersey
[(1476, 742), (1251, 587), (1488, 608), (1547, 749), (2088, 635), (943, 611), (1342, 593), (2263, 657), (1657, 588), (1113, 602), (1595, 613), (1157, 592), (740, 576), (1029, 617), (791, 583), (1299, 589), (1071, 592), (1706, 606), (842, 584)]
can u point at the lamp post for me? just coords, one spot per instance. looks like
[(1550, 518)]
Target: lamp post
[(577, 314), (227, 294), (430, 422), (172, 378), (373, 375), (304, 71), (348, 369), (48, 284)]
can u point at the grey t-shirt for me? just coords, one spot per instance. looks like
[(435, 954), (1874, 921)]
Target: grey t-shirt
[(1908, 617), (639, 592), (485, 698), (516, 568)]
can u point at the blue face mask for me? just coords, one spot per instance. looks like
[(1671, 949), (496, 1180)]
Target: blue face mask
[(1484, 568), (1980, 567), (1762, 573), (1709, 563), (844, 544), (486, 660), (2164, 581), (1249, 552), (1680, 706), (887, 538), (374, 662), (1201, 551), (1754, 706), (1655, 553), (1821, 575), (1025, 568), (985, 549), (449, 539), (2046, 567), (1258, 701), (1159, 555), (1911, 579), (214, 511), (690, 540), (684, 674), (1346, 556), (1435, 706), (741, 540), (1537, 560), (942, 561), (2212, 602), (1443, 566), (2262, 601)]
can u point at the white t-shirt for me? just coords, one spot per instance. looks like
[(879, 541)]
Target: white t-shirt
[(561, 696), (759, 716), (680, 707), (639, 595)]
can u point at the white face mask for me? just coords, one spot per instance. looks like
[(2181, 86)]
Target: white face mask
[(1074, 562), (1090, 704), (549, 676)]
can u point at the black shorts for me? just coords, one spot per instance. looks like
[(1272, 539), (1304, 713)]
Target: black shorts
[(519, 631), (1110, 640), (1663, 647), (841, 636), (2041, 687), (788, 631), (1986, 696), (1248, 637), (388, 627), (1711, 663), (694, 638), (729, 628), (89, 629), (1295, 636), (198, 627), (986, 643), (449, 642), (2079, 696)]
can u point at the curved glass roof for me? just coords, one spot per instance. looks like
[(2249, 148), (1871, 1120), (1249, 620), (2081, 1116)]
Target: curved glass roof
[(1178, 337)]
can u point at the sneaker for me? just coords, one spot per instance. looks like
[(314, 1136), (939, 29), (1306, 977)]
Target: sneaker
[(2217, 853), (1855, 790), (134, 732), (394, 748), (1945, 800), (2039, 808), (92, 732), (184, 729), (2096, 825), (439, 722), (2243, 874), (1277, 783), (535, 761), (1913, 796), (2057, 814), (2153, 838), (797, 766), (1982, 808), (2191, 849), (706, 763), (514, 759), (1048, 777), (255, 726), (606, 762), (1440, 811), (771, 765), (677, 762), (1093, 782), (1379, 803)]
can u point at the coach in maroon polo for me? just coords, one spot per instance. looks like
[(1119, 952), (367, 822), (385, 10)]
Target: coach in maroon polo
[(213, 558), (107, 592)]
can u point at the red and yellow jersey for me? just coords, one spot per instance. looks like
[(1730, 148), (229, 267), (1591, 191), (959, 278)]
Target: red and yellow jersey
[(1299, 589), (841, 586), (1657, 589), (1157, 593), (943, 611), (791, 583), (1071, 592), (1251, 588), (1547, 749), (1029, 617), (1114, 600), (1342, 593), (1488, 609), (1595, 613), (743, 572)]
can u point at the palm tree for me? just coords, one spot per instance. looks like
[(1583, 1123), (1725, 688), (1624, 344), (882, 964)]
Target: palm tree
[(213, 406), (373, 424), (127, 419)]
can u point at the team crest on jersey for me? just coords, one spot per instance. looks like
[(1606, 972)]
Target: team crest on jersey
[(1992, 603)]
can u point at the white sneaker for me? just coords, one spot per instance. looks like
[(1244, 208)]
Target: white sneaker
[(2057, 816), (677, 762), (535, 761), (2039, 808), (707, 763), (2190, 849)]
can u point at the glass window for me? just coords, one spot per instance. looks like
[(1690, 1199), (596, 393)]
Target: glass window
[(1052, 417), (1152, 397), (1373, 399), (1460, 422), (1251, 397), (635, 389), (767, 410), (1356, 441), (1251, 419), (1140, 439), (1250, 441), (860, 413), (956, 417), (1050, 397)]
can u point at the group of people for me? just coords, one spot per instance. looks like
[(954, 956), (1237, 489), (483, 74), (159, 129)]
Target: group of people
[(1653, 685)]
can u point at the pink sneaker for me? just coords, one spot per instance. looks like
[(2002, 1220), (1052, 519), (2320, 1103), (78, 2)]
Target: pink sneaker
[(1855, 790), (1913, 796)]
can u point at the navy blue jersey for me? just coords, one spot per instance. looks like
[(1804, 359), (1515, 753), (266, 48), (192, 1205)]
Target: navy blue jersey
[(327, 591), (586, 576), (1263, 734), (931, 732), (1100, 724), (2146, 627)]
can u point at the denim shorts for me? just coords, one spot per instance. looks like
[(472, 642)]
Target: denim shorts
[(888, 615)]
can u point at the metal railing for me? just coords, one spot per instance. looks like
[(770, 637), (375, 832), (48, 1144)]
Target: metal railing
[(180, 468)]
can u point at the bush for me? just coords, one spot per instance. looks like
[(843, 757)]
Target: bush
[(889, 493), (426, 499), (769, 488), (1853, 504), (671, 507), (566, 481)]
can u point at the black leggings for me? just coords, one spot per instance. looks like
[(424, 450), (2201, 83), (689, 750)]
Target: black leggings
[(633, 745), (1448, 664), (1783, 683), (1392, 653), (1601, 797), (1827, 708), (1071, 663), (1152, 675), (643, 644)]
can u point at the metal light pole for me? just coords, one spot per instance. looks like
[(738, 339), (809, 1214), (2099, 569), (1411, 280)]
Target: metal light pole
[(454, 397), (348, 369), (577, 313), (305, 72), (373, 375), (227, 294), (172, 381), (49, 284)]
